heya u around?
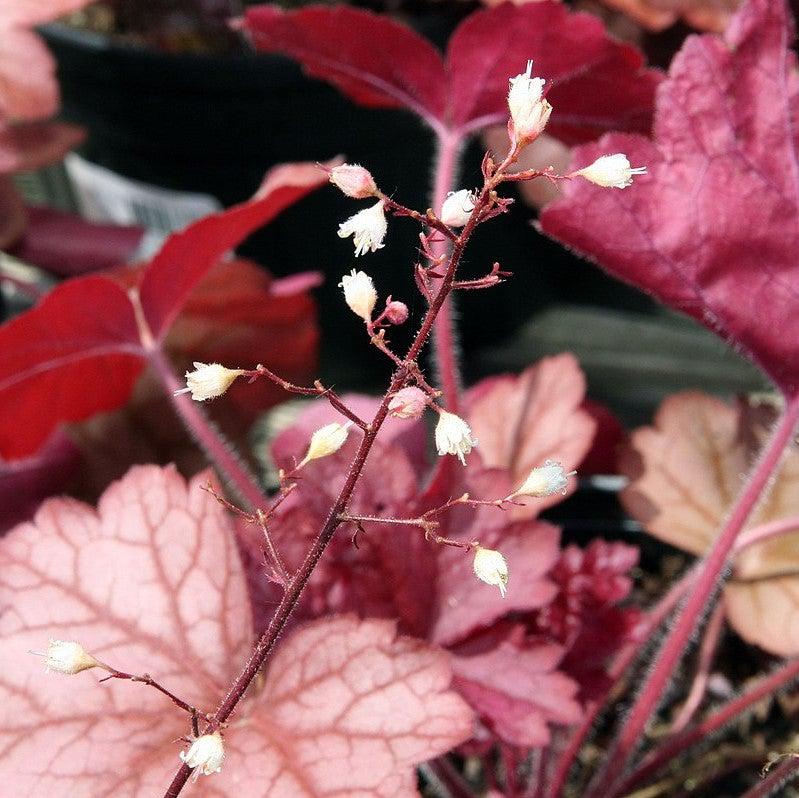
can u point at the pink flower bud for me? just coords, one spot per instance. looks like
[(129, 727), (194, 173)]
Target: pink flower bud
[(353, 180), (396, 312), (407, 403)]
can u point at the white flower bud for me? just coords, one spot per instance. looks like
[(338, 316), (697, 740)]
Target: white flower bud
[(69, 657), (368, 229), (545, 480), (529, 111), (490, 566), (205, 755), (353, 180), (209, 380), (454, 436), (408, 402), (326, 440), (611, 171), (457, 208), (359, 293)]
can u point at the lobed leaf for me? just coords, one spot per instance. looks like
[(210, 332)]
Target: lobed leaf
[(713, 229)]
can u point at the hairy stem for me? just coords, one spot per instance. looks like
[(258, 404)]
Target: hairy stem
[(295, 587), (710, 579), (231, 468), (721, 717), (444, 337)]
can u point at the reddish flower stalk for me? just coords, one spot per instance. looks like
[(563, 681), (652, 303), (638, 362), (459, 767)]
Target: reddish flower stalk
[(404, 372), (710, 577), (777, 780)]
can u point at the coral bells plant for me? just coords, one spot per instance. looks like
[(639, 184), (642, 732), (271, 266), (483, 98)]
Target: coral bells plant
[(397, 597)]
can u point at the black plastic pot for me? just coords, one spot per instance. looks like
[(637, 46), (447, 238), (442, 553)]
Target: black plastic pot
[(215, 124)]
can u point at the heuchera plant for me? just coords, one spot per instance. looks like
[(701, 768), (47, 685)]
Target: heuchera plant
[(383, 607)]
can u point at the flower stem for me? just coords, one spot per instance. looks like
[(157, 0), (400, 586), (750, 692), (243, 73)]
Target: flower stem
[(231, 468), (709, 580), (777, 780), (295, 587), (444, 336)]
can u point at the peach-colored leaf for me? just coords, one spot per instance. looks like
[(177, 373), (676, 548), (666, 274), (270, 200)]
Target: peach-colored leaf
[(709, 15), (521, 421), (686, 472), (152, 582)]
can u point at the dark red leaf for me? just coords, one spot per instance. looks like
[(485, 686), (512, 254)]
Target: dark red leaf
[(187, 256), (12, 213), (32, 145), (66, 245), (713, 229), (73, 355), (599, 84), (24, 483), (80, 350)]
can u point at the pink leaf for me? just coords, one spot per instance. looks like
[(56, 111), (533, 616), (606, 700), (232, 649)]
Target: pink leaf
[(68, 246), (522, 421), (85, 332), (27, 13), (517, 690), (600, 84), (712, 230), (24, 483), (152, 582)]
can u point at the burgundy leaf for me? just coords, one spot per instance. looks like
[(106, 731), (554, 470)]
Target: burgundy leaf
[(713, 229), (32, 145), (24, 483), (517, 690), (13, 217), (372, 59), (66, 245), (152, 582), (599, 84)]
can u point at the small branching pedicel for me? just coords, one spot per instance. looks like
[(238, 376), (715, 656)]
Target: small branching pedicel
[(444, 237)]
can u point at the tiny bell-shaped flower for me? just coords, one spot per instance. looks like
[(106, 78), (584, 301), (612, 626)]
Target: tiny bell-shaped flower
[(326, 440), (490, 566), (457, 208), (69, 657), (529, 111), (611, 171), (408, 403), (353, 180), (545, 480), (454, 436), (359, 294), (205, 755), (396, 312), (209, 380), (368, 229)]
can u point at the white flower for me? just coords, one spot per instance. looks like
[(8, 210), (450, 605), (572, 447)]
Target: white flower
[(359, 293), (611, 171), (325, 441), (353, 180), (457, 208), (490, 566), (545, 480), (205, 755), (209, 380), (368, 229), (66, 656), (454, 436), (529, 111)]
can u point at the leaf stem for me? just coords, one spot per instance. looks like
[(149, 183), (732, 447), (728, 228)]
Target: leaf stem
[(709, 580), (232, 469), (777, 780)]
